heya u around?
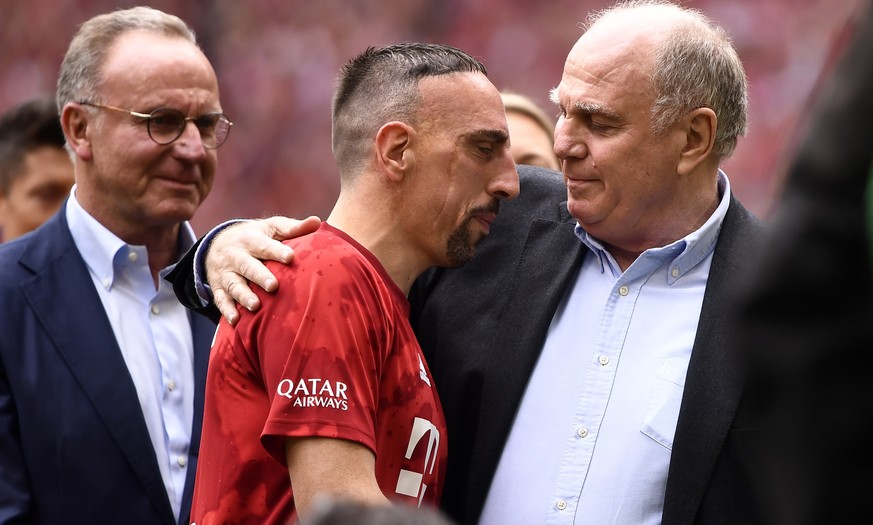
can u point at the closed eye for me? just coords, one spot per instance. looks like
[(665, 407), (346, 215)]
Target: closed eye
[(484, 142), (597, 126)]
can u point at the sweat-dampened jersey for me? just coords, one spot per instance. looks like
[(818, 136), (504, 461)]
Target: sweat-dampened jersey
[(330, 354)]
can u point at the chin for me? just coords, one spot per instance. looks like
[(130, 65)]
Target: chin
[(580, 210), (174, 215), (459, 255), (460, 247)]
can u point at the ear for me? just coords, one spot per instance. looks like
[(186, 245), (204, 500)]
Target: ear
[(394, 153), (699, 126), (75, 120)]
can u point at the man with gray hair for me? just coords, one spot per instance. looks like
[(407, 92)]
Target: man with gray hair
[(101, 371), (582, 359)]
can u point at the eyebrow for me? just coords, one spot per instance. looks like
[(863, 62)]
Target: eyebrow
[(587, 108), (491, 135), (592, 108)]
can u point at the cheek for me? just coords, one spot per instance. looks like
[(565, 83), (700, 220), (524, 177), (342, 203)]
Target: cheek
[(459, 199), (208, 172)]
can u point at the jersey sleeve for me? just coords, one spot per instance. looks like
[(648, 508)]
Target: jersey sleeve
[(320, 345)]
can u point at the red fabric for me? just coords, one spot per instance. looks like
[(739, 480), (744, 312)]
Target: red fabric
[(335, 344)]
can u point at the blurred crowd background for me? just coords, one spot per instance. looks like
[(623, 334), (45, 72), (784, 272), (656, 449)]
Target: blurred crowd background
[(276, 62)]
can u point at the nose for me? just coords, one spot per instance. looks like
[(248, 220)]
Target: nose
[(504, 185), (190, 143), (568, 142)]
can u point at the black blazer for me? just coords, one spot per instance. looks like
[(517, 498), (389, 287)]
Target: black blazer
[(74, 447), (483, 326)]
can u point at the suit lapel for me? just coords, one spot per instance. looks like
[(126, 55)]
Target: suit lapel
[(713, 385), (202, 331), (63, 297)]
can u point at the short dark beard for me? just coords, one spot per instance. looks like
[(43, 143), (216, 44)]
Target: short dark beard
[(460, 248)]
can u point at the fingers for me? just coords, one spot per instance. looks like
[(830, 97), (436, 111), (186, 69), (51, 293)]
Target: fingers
[(283, 228), (259, 239), (226, 306), (233, 260)]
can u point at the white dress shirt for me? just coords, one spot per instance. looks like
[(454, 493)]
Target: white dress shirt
[(154, 333), (592, 439)]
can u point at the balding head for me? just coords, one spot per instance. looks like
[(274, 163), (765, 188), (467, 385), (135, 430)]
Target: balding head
[(693, 63)]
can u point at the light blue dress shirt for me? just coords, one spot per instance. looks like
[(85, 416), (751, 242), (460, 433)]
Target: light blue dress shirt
[(153, 331), (592, 439)]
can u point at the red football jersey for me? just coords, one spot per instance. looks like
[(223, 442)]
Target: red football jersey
[(330, 354)]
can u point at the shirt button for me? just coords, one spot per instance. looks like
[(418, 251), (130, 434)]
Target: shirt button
[(132, 256), (623, 290), (582, 432), (604, 360), (106, 282), (171, 385), (182, 461), (561, 504), (156, 309), (674, 272)]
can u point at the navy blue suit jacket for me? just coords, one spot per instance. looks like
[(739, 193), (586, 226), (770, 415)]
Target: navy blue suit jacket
[(74, 447)]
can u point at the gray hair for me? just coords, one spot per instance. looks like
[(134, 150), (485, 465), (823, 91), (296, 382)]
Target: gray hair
[(696, 66), (381, 85), (80, 78)]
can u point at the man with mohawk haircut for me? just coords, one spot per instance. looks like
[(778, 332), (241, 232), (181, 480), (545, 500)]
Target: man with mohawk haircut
[(324, 391)]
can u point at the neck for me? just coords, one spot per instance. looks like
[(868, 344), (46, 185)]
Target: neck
[(376, 225), (674, 225), (161, 240), (162, 245)]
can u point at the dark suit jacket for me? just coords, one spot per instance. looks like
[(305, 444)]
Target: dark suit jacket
[(482, 328), (74, 448)]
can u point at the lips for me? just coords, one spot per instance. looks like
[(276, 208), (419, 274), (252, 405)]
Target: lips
[(487, 218), (576, 182), (578, 177), (181, 178), (177, 183)]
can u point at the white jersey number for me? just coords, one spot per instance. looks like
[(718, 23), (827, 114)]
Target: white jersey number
[(409, 483)]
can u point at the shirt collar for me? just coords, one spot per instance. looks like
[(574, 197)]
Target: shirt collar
[(683, 254), (103, 251)]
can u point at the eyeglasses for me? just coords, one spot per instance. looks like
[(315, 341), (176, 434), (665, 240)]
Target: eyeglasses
[(165, 125)]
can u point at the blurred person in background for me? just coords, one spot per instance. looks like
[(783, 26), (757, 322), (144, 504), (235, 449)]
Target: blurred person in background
[(531, 132), (102, 372), (806, 322), (344, 512), (36, 173)]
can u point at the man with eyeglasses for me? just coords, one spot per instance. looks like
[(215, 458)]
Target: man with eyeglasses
[(102, 372)]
